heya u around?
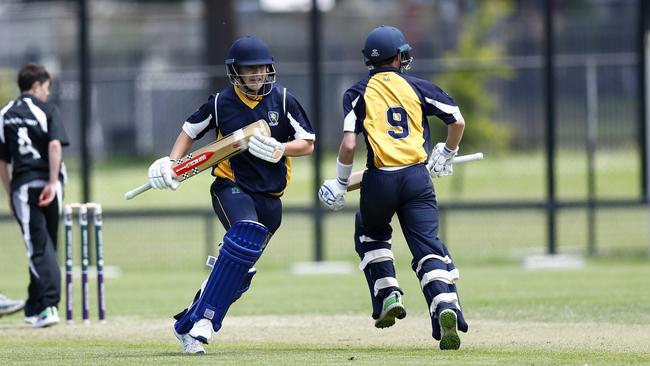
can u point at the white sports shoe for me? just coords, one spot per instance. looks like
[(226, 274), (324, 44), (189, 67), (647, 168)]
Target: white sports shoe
[(48, 317), (202, 331), (190, 345), (31, 319), (9, 306), (392, 309)]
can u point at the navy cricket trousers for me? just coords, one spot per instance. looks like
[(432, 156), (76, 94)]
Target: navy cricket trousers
[(409, 194), (232, 204)]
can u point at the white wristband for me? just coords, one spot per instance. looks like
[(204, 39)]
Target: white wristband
[(343, 171)]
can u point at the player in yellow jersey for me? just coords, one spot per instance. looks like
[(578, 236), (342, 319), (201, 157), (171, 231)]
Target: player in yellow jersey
[(391, 108)]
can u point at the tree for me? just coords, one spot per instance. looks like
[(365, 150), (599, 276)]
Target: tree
[(8, 88), (469, 86), (219, 35)]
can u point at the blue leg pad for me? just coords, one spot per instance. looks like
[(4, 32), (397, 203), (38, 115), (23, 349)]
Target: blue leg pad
[(184, 323), (246, 284), (242, 246)]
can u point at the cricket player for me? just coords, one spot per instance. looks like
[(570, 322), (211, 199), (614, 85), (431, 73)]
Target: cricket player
[(391, 108), (31, 137), (247, 189)]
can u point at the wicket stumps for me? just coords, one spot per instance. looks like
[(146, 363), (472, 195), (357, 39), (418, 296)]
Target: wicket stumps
[(83, 209)]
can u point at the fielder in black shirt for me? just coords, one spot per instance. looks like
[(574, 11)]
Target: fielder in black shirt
[(31, 137)]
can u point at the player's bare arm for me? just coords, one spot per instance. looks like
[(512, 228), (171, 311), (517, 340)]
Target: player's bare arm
[(347, 148), (6, 180), (332, 192), (455, 133), (269, 149), (4, 176), (182, 145), (49, 191), (298, 147)]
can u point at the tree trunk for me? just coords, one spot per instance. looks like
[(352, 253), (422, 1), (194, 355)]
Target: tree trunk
[(219, 34)]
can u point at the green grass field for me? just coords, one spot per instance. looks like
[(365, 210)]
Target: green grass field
[(597, 315)]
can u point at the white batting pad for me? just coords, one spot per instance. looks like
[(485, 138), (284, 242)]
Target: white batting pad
[(445, 260), (448, 297), (385, 282), (374, 256), (448, 277)]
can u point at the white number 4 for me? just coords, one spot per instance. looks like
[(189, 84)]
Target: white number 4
[(25, 144)]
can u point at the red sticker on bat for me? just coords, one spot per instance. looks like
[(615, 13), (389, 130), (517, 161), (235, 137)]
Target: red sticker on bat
[(192, 163)]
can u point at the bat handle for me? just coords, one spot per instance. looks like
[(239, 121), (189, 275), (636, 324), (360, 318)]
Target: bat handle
[(134, 192), (466, 158)]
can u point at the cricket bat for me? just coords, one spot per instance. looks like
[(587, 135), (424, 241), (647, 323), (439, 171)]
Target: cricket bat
[(354, 182), (208, 156)]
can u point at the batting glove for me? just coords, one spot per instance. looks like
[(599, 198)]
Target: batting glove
[(439, 164), (161, 175), (265, 148), (332, 194)]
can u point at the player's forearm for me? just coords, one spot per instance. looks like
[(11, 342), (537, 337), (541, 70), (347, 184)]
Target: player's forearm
[(298, 147), (347, 148), (455, 133), (181, 146), (4, 176), (54, 158)]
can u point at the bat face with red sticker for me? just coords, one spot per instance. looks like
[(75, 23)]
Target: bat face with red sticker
[(210, 155)]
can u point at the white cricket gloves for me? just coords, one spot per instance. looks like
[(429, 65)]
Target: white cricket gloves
[(161, 175), (332, 194), (265, 148), (440, 164)]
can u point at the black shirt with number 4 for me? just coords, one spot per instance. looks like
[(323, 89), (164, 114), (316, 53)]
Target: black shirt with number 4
[(27, 126)]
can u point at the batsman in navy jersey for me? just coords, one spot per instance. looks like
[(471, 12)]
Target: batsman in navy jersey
[(31, 137), (390, 109), (247, 189)]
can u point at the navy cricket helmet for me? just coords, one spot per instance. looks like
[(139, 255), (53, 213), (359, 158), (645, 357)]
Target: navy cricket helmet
[(250, 51), (383, 43)]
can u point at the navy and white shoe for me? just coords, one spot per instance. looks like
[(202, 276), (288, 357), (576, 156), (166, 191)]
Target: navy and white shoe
[(190, 345), (392, 309)]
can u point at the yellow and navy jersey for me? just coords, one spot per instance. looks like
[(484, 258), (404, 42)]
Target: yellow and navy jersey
[(229, 110), (391, 109)]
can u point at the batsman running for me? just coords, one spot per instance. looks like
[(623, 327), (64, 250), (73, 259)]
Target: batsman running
[(247, 189), (391, 108)]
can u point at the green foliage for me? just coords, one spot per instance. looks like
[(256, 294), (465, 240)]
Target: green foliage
[(8, 89), (470, 87)]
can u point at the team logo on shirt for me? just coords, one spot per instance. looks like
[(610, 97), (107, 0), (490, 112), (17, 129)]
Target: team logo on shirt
[(274, 117)]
